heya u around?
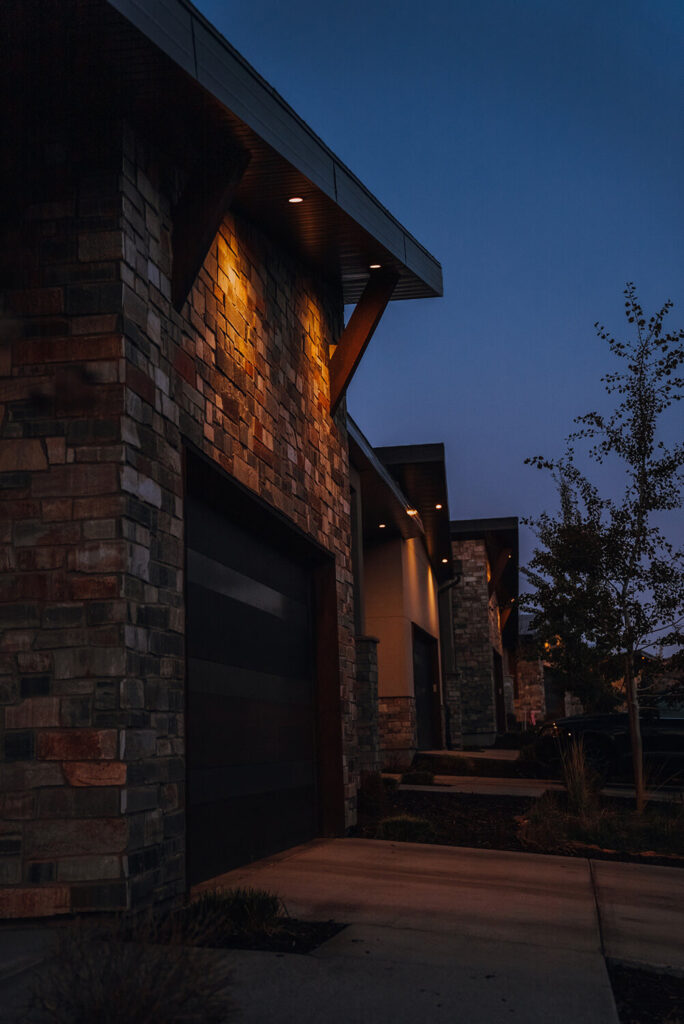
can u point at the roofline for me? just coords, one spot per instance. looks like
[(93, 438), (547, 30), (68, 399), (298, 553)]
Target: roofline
[(364, 444), (400, 453), (459, 526), (180, 31)]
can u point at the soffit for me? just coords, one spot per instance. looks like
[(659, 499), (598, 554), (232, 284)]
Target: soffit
[(340, 227)]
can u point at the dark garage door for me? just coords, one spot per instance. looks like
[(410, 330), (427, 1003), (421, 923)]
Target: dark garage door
[(250, 707)]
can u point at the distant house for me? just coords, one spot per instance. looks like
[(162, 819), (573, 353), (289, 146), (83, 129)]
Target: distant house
[(179, 685), (402, 559), (485, 628)]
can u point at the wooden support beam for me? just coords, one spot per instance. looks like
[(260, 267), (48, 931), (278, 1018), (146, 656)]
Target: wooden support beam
[(198, 214), (358, 332), (497, 570)]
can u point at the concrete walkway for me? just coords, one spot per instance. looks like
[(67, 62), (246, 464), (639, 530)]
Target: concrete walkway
[(477, 936), (487, 786), (437, 933)]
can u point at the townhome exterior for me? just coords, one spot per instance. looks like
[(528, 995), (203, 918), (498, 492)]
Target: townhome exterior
[(178, 672), (402, 569), (485, 627)]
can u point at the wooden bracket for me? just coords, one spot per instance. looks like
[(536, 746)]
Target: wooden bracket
[(504, 616), (358, 332), (207, 196), (497, 570)]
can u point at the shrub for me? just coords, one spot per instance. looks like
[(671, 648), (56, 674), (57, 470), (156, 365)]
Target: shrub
[(418, 777), (120, 974), (405, 828), (581, 781), (220, 913), (550, 826)]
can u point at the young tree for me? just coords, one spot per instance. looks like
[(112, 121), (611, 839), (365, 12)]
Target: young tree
[(607, 582)]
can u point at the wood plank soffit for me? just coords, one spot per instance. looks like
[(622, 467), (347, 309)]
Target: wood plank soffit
[(358, 332), (199, 211)]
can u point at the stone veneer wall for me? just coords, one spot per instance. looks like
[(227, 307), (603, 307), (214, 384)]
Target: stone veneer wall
[(367, 727), (103, 383), (397, 721), (472, 623), (530, 703)]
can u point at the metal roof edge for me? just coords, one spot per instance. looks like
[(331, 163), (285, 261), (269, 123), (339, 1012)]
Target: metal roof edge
[(180, 31), (457, 526), (366, 448)]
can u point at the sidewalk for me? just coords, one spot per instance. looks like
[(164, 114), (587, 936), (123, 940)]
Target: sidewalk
[(474, 935), (442, 933)]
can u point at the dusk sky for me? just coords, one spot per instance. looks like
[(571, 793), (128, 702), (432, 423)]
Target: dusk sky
[(536, 148)]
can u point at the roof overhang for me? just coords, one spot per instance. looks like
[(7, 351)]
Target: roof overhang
[(385, 508), (420, 471), (165, 63)]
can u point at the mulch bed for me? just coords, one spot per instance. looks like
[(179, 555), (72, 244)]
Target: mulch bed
[(293, 937), (646, 997), (459, 819), (486, 822)]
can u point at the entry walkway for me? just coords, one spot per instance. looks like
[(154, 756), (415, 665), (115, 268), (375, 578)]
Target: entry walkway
[(450, 934)]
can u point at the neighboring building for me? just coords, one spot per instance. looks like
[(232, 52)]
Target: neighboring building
[(401, 557), (485, 627), (530, 704), (177, 670)]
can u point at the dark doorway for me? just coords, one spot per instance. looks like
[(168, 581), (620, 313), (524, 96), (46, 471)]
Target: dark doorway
[(252, 767), (425, 687), (499, 700)]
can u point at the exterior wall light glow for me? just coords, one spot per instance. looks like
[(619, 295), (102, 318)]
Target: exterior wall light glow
[(444, 561), (375, 266), (296, 199), (382, 525), (411, 511), (438, 506)]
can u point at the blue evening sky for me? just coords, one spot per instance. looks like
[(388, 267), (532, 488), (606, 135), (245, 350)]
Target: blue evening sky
[(536, 148)]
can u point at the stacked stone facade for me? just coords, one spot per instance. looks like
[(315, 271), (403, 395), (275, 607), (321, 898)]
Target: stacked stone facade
[(474, 630), (397, 724), (530, 704), (104, 384), (367, 726)]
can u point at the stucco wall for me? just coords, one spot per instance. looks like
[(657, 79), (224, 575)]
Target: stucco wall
[(400, 590)]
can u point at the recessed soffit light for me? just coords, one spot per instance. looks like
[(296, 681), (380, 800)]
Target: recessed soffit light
[(382, 526), (411, 511), (375, 266), (438, 506), (295, 199)]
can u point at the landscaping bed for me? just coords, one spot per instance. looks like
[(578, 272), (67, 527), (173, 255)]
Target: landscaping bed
[(246, 919), (526, 825), (456, 819), (646, 997)]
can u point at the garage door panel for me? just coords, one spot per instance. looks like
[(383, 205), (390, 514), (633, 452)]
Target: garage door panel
[(214, 536), (247, 827), (250, 696), (258, 641), (236, 731), (233, 681)]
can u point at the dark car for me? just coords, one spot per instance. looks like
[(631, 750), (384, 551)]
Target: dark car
[(607, 747)]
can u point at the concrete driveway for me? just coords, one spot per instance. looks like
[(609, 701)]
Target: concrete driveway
[(454, 934), (435, 933)]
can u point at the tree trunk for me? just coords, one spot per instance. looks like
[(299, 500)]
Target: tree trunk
[(635, 732)]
